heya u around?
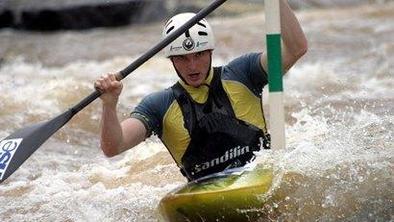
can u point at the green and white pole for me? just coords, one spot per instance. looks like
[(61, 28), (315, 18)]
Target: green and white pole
[(277, 117)]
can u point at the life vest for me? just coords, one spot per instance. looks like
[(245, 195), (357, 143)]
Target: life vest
[(219, 140)]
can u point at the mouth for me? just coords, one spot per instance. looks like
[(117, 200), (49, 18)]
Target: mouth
[(194, 76)]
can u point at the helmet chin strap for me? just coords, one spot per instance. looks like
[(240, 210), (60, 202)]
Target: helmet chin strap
[(180, 76)]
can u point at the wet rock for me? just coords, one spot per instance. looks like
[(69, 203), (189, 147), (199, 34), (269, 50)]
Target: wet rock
[(6, 18), (81, 14)]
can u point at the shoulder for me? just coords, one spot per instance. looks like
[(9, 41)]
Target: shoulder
[(246, 70), (152, 108), (244, 61), (158, 100), (243, 65), (160, 96)]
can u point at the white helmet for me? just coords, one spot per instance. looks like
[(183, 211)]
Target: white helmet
[(198, 38)]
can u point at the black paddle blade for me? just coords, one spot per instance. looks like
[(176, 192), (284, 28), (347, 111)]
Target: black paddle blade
[(17, 147)]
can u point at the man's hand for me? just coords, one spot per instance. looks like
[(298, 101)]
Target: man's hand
[(110, 88)]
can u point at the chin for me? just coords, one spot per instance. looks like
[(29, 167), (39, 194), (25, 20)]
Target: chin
[(196, 83)]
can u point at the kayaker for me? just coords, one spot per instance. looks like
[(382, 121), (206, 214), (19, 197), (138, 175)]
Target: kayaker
[(212, 118)]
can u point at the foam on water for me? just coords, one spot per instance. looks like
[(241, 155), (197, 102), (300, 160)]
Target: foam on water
[(340, 164), (337, 169)]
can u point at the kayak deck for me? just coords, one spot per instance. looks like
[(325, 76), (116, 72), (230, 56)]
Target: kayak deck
[(222, 198)]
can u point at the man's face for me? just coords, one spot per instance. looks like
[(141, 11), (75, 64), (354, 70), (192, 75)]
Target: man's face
[(193, 67)]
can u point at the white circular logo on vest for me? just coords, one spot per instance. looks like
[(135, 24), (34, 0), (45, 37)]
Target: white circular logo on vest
[(188, 44)]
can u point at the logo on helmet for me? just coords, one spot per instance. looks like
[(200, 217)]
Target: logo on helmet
[(188, 44)]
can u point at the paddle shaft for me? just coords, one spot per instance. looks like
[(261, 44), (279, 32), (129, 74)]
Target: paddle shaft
[(153, 51)]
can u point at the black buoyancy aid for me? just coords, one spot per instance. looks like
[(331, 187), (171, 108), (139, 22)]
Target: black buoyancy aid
[(218, 139)]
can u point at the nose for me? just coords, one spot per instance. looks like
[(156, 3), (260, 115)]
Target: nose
[(192, 63)]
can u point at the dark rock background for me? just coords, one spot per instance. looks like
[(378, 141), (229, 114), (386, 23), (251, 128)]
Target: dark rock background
[(79, 15), (50, 15)]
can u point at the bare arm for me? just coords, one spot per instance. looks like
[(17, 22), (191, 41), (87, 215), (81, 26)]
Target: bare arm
[(116, 137), (294, 41)]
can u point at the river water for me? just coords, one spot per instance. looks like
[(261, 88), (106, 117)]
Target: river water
[(338, 163)]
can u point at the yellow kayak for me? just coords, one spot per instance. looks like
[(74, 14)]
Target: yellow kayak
[(234, 196)]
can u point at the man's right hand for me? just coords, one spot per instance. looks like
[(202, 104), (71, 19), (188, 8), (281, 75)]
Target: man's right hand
[(109, 87)]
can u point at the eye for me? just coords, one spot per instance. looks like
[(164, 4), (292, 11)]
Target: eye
[(179, 58), (199, 54)]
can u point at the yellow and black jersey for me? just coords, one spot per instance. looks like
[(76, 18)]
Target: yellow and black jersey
[(243, 80)]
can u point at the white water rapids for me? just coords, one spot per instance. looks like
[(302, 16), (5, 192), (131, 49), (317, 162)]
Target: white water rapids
[(340, 120)]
